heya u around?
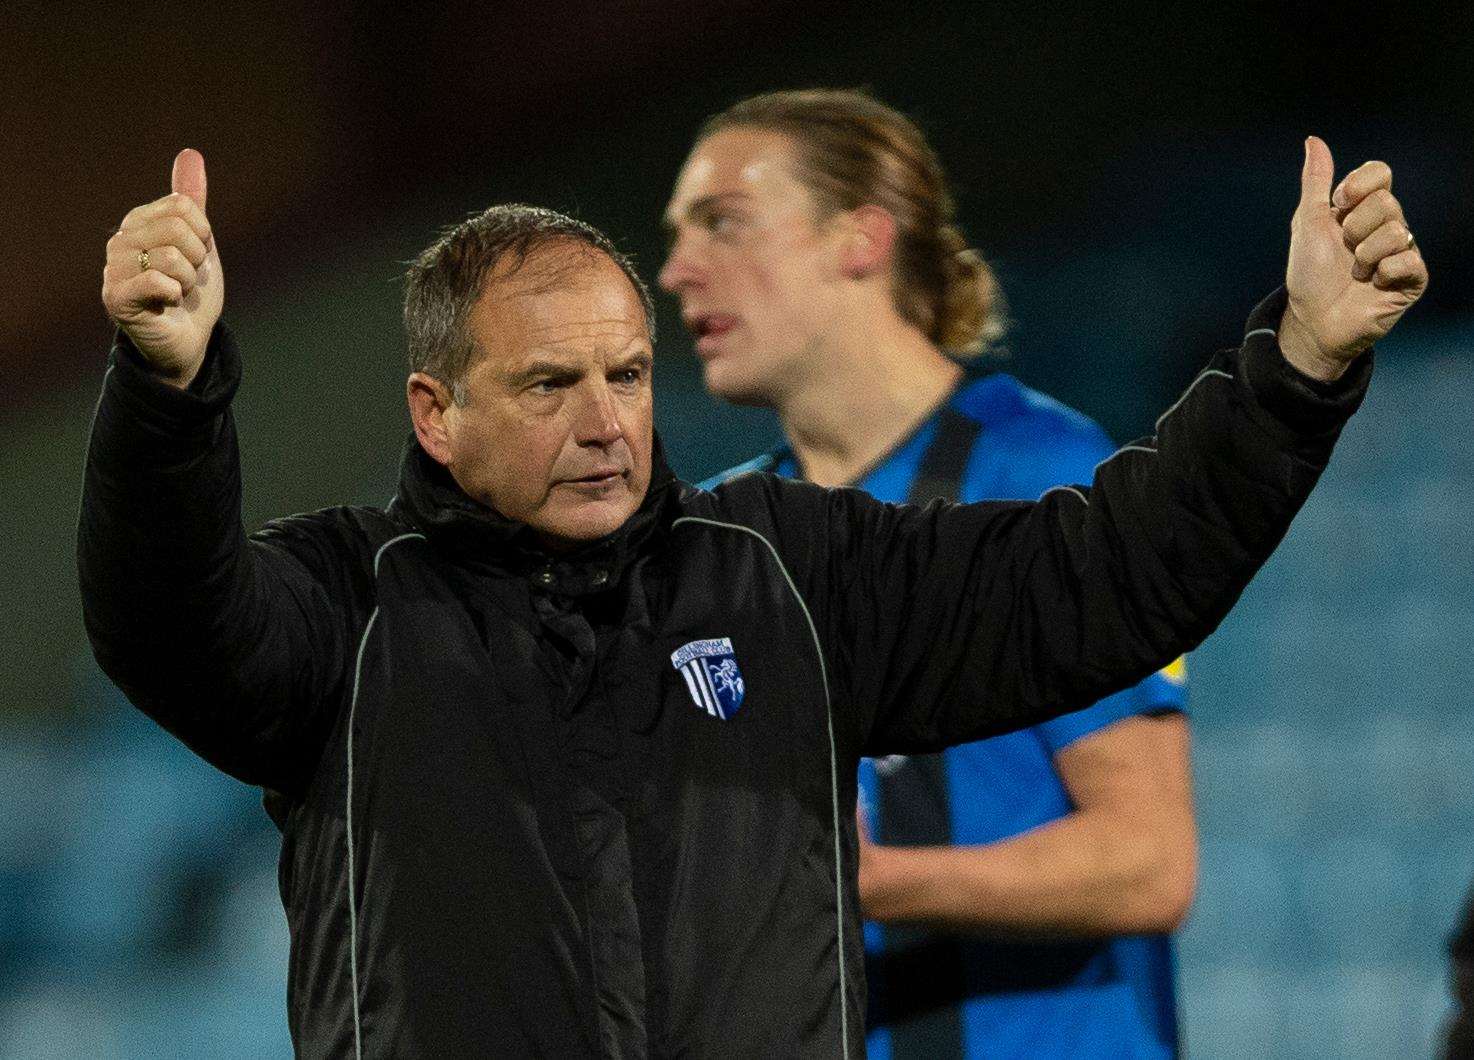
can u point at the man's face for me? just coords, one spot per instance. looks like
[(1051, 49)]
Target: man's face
[(555, 428), (755, 273)]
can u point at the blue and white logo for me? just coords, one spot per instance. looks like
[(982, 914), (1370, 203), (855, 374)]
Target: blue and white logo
[(712, 677)]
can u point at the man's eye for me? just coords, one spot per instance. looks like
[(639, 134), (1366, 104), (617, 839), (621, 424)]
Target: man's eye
[(721, 224), (547, 386), (628, 376)]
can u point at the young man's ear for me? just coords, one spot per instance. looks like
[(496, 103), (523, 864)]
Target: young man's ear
[(869, 242), (429, 401)]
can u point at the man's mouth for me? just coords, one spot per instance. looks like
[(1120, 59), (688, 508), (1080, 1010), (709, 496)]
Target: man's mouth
[(601, 477), (708, 329)]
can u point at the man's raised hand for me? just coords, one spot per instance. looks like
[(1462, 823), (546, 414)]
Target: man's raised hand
[(1354, 267), (162, 283)]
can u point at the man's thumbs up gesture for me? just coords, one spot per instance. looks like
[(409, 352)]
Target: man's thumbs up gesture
[(1354, 267), (162, 283)]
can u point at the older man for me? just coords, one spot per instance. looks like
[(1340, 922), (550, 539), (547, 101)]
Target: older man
[(563, 750)]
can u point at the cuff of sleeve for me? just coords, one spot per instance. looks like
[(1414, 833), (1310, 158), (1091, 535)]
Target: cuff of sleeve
[(1304, 405), (168, 409)]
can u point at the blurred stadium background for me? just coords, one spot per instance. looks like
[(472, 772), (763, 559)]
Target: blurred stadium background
[(1130, 168)]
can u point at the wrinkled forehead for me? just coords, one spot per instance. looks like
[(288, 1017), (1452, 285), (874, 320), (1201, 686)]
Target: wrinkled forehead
[(570, 297)]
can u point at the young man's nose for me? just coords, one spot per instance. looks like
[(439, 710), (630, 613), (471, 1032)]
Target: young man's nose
[(681, 269)]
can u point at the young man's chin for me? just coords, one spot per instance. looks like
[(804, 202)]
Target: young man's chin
[(727, 384)]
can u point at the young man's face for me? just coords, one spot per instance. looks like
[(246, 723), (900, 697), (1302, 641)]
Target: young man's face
[(555, 429), (755, 273)]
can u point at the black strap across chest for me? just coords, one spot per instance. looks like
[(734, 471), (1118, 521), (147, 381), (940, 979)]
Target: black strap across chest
[(913, 808), (945, 460)]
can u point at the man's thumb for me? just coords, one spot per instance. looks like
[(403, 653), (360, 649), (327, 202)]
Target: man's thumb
[(1315, 178), (189, 175)]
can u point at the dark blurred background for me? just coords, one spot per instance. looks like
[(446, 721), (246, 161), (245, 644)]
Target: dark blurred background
[(1130, 169)]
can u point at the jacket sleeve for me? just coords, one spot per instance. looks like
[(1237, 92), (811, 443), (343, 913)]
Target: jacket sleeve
[(235, 645), (955, 622)]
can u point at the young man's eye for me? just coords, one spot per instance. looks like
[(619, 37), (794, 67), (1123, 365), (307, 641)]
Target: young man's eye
[(721, 224)]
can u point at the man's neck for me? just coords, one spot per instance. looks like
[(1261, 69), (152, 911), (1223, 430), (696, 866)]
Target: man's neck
[(880, 388)]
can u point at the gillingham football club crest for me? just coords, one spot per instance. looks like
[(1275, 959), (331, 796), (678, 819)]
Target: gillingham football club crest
[(709, 668)]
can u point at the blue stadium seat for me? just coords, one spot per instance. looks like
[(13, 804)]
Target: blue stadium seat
[(1243, 906), (1355, 905)]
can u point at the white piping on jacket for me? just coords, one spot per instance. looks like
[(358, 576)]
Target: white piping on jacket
[(348, 802), (1204, 374), (1155, 427), (844, 1012), (1067, 489)]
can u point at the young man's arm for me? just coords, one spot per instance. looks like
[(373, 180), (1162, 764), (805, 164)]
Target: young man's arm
[(1123, 861)]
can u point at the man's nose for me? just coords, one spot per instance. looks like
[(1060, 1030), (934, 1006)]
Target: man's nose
[(680, 269), (597, 420)]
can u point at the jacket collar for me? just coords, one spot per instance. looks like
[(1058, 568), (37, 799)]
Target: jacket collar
[(479, 536)]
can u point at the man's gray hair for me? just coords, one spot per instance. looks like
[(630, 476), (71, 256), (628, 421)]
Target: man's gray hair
[(444, 283)]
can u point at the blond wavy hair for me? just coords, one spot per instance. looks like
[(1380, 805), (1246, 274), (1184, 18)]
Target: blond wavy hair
[(854, 150)]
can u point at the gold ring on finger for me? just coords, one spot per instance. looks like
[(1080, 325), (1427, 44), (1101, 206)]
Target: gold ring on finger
[(1411, 242), (143, 261)]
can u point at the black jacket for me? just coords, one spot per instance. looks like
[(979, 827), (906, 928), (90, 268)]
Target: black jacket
[(513, 825)]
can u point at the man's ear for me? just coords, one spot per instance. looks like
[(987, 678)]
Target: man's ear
[(429, 401), (869, 241)]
